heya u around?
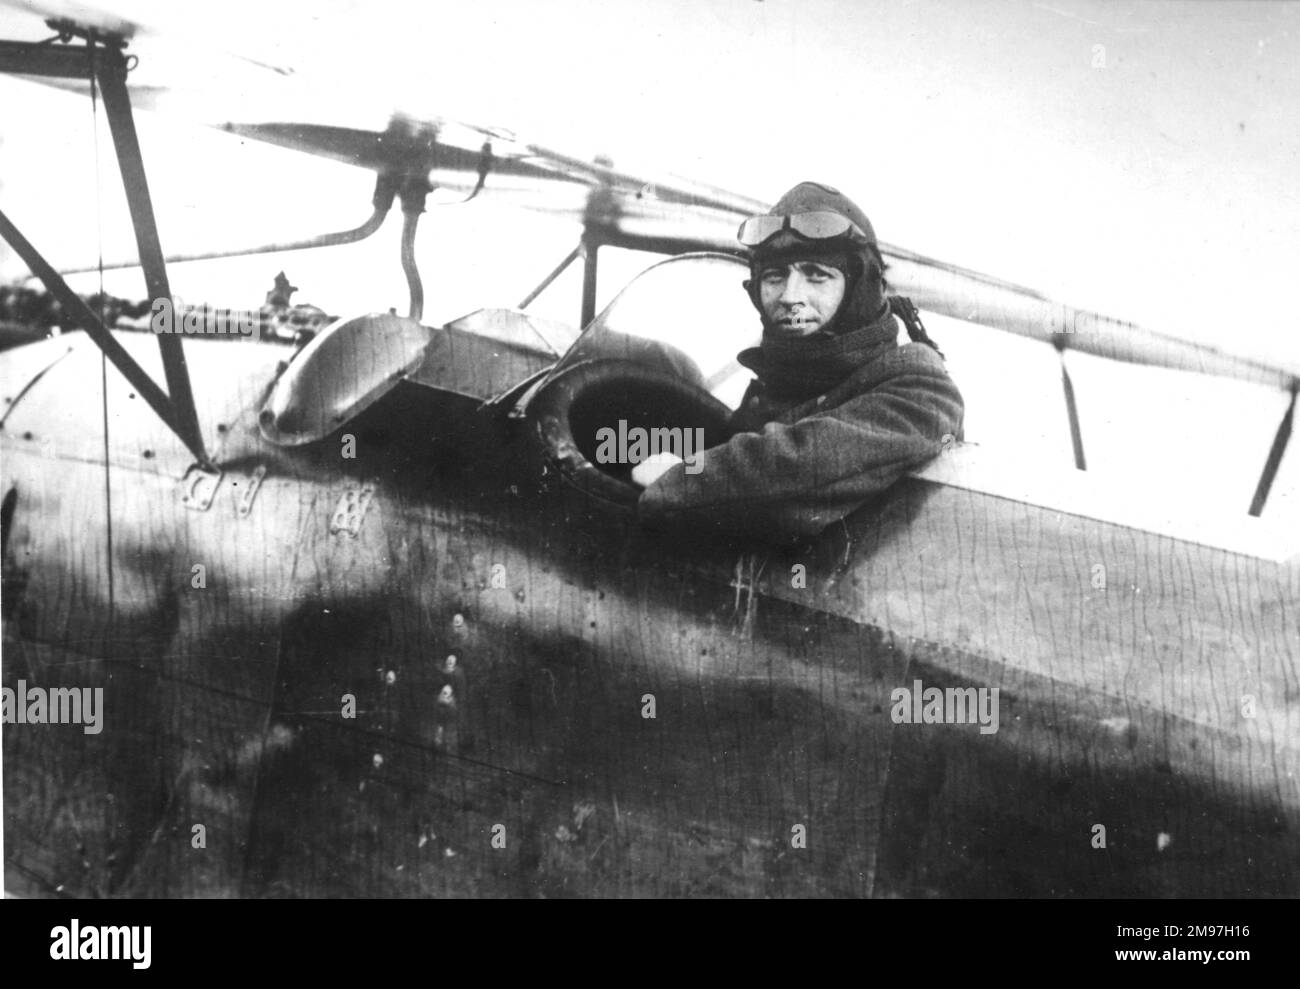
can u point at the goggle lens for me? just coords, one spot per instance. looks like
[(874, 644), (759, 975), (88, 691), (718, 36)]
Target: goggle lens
[(817, 225)]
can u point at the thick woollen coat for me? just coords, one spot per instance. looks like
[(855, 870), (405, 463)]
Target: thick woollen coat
[(827, 425)]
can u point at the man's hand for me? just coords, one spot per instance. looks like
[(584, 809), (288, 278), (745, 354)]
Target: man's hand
[(647, 471)]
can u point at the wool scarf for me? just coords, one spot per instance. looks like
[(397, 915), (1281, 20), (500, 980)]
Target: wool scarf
[(810, 365)]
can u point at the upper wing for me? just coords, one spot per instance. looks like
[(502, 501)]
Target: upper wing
[(336, 118)]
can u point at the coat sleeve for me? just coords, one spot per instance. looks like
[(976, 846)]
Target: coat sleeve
[(791, 480)]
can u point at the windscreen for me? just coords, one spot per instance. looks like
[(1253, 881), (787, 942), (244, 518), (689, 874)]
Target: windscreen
[(688, 315)]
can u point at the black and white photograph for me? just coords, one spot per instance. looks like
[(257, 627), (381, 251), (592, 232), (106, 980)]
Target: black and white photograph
[(672, 450)]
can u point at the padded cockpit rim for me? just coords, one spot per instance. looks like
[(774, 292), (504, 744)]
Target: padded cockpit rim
[(549, 415)]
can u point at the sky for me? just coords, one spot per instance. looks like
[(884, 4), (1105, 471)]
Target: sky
[(1140, 159)]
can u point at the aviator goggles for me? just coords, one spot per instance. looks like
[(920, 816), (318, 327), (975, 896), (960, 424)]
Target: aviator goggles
[(816, 225)]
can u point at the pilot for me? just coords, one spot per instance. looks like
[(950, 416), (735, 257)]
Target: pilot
[(839, 410)]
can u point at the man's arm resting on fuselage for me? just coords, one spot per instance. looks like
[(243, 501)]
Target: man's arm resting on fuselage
[(790, 481)]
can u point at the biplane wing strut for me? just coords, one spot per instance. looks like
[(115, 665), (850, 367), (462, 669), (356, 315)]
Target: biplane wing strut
[(102, 58)]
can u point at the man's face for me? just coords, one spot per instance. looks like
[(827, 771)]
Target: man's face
[(801, 297)]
